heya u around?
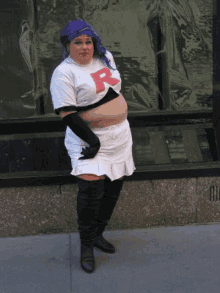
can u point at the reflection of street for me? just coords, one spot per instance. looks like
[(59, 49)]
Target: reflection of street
[(15, 73), (178, 25), (136, 38), (28, 100), (144, 95), (25, 44)]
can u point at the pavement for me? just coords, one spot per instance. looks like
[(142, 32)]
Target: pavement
[(176, 259)]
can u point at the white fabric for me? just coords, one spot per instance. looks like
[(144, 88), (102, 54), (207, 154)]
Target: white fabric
[(78, 85), (114, 158)]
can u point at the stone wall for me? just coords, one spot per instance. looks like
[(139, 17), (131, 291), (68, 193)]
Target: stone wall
[(51, 209)]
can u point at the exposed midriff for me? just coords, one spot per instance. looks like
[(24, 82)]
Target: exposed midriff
[(110, 113)]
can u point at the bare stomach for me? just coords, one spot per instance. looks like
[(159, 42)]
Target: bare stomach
[(110, 113)]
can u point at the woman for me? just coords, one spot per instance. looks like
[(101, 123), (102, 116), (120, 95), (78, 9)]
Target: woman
[(85, 90)]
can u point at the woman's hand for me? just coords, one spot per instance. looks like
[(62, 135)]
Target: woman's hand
[(90, 152)]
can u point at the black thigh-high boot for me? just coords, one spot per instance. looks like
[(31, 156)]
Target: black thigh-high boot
[(107, 205), (88, 201)]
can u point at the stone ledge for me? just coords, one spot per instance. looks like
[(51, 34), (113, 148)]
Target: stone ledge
[(51, 209)]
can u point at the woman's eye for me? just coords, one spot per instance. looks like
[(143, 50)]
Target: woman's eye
[(77, 43)]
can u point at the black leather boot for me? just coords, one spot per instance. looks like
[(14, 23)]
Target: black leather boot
[(107, 205), (88, 201)]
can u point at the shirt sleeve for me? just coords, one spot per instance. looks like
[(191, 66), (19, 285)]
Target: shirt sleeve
[(62, 92)]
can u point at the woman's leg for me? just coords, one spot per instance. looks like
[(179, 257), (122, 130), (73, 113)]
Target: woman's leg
[(89, 197), (91, 191), (108, 202), (90, 177)]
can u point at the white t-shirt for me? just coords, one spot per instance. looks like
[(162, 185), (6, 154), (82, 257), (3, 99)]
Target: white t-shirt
[(74, 85)]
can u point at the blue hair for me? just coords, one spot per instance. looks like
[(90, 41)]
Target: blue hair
[(79, 27)]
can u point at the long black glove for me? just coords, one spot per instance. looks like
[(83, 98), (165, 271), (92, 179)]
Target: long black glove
[(82, 130)]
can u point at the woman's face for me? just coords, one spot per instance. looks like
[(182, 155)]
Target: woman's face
[(81, 49)]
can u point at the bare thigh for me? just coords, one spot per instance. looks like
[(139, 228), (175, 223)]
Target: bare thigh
[(92, 177)]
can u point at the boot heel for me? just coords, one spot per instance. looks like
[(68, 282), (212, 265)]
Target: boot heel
[(87, 258)]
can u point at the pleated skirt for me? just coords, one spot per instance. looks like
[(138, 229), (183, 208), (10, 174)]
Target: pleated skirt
[(114, 158)]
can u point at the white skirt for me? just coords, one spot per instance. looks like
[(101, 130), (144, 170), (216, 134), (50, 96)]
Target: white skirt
[(114, 157)]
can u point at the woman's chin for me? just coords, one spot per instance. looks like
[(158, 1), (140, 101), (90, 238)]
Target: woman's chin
[(84, 60)]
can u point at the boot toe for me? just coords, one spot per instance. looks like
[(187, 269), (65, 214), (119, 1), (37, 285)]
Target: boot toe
[(87, 258), (102, 244), (88, 266)]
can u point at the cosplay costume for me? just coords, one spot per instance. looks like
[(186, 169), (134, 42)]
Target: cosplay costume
[(76, 87)]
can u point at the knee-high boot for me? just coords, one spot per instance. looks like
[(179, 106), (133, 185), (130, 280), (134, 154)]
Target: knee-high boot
[(106, 208), (88, 201)]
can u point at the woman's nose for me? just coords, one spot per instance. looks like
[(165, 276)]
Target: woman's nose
[(85, 46)]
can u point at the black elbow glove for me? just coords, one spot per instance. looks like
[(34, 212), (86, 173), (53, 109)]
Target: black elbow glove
[(82, 130)]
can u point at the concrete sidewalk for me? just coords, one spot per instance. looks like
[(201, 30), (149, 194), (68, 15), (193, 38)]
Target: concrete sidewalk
[(176, 259)]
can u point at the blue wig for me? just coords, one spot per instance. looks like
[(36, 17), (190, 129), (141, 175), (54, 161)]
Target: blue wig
[(79, 27)]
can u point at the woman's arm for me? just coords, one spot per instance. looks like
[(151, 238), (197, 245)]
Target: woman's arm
[(63, 114), (81, 129)]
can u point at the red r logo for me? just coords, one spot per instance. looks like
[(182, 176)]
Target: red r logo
[(99, 81)]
